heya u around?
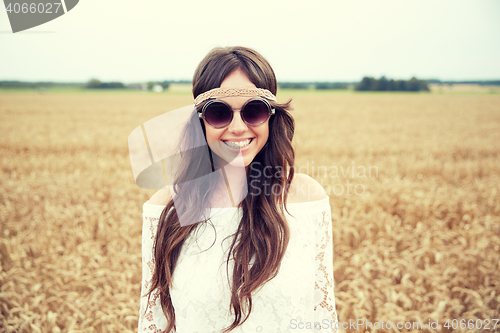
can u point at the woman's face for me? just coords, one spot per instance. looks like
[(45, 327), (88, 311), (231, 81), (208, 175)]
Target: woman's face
[(222, 140)]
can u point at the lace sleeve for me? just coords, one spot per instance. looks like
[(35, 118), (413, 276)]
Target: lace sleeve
[(151, 317), (324, 298)]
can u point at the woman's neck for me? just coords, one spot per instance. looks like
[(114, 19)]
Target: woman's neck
[(233, 188)]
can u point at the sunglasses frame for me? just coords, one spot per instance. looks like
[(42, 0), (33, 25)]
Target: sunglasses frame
[(201, 114)]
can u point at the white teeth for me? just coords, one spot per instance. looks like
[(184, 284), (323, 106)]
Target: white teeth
[(239, 144)]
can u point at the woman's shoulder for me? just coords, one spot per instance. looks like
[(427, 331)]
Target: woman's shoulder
[(161, 198), (305, 189)]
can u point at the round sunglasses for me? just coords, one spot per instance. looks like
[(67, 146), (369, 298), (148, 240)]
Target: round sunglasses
[(219, 114)]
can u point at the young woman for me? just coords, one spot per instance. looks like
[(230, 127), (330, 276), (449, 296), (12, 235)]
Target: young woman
[(263, 261)]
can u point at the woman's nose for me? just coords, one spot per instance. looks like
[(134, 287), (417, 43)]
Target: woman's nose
[(237, 125)]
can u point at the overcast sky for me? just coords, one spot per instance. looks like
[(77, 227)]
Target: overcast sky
[(142, 40)]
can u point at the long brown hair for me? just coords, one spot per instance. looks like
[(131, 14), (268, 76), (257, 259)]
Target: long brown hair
[(263, 234)]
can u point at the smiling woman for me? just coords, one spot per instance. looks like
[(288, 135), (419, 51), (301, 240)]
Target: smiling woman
[(238, 135), (255, 265)]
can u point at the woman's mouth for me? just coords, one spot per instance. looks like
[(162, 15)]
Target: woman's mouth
[(238, 144)]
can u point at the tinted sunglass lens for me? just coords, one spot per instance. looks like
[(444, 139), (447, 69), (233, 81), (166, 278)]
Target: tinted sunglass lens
[(255, 112), (218, 114)]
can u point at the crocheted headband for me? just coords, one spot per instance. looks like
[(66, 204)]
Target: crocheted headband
[(224, 92)]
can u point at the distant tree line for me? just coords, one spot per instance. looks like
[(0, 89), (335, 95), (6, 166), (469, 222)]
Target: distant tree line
[(383, 84), (332, 85), (91, 84), (295, 85), (315, 85), (150, 84), (163, 84), (97, 84), (36, 85), (366, 84), (481, 83), (166, 83)]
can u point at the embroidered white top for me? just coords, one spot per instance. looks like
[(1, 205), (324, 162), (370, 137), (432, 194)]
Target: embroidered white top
[(300, 298)]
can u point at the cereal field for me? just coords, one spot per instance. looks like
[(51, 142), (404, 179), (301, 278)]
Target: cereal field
[(413, 180)]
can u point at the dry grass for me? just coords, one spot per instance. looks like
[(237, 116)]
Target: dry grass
[(422, 242)]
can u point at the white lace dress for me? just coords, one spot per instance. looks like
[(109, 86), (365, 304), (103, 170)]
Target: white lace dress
[(299, 299)]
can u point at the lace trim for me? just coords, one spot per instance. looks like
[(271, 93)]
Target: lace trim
[(223, 92), (324, 285), (149, 310)]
